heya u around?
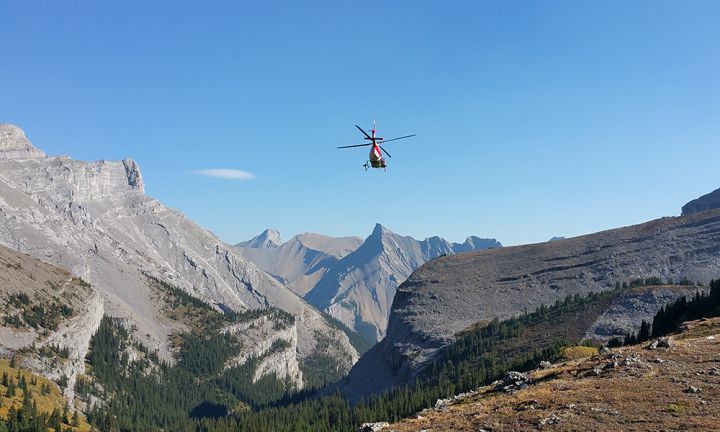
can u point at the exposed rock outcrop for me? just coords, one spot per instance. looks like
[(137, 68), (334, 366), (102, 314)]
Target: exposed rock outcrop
[(706, 202), (450, 293), (261, 339), (14, 144)]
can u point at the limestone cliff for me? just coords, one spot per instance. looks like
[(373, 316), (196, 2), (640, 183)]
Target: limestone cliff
[(94, 219)]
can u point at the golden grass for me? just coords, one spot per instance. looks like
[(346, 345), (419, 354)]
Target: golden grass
[(579, 352), (45, 403)]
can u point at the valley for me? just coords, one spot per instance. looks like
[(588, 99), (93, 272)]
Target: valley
[(142, 320)]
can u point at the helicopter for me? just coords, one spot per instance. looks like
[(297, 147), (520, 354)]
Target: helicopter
[(376, 153)]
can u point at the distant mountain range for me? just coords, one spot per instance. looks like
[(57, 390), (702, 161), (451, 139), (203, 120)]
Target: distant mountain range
[(352, 280)]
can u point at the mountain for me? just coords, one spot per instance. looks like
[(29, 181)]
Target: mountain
[(94, 219), (447, 295), (269, 239), (706, 202), (359, 289), (300, 262)]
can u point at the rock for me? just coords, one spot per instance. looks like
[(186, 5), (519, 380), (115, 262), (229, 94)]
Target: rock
[(14, 144), (632, 359), (663, 342), (512, 381), (704, 203), (527, 405), (373, 427), (545, 365), (692, 389), (551, 420)]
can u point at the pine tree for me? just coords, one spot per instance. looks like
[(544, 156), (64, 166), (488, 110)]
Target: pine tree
[(644, 333)]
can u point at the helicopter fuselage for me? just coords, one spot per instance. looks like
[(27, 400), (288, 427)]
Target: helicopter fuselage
[(376, 159)]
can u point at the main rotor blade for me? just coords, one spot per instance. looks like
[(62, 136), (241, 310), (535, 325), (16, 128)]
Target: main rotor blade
[(386, 152), (402, 137), (364, 133), (357, 145)]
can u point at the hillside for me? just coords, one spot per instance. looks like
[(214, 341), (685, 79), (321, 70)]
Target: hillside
[(676, 388), (46, 311), (450, 293)]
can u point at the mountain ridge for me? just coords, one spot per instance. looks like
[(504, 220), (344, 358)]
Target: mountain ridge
[(351, 279)]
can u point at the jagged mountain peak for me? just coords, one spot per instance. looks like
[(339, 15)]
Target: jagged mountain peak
[(380, 230), (270, 238), (15, 145)]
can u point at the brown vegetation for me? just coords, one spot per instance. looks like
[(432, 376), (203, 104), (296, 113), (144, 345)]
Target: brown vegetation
[(629, 389)]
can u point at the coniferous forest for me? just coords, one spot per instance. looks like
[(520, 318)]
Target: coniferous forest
[(198, 393)]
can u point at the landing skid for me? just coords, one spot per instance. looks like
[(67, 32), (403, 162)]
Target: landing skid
[(367, 165)]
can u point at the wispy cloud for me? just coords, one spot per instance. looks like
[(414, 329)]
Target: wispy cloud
[(224, 173)]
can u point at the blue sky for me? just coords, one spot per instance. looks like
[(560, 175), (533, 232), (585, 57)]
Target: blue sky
[(533, 118)]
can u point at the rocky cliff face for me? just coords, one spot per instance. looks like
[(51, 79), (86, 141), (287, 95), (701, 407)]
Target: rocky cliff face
[(42, 337), (15, 145), (450, 293), (261, 336), (706, 202), (94, 219), (359, 289)]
